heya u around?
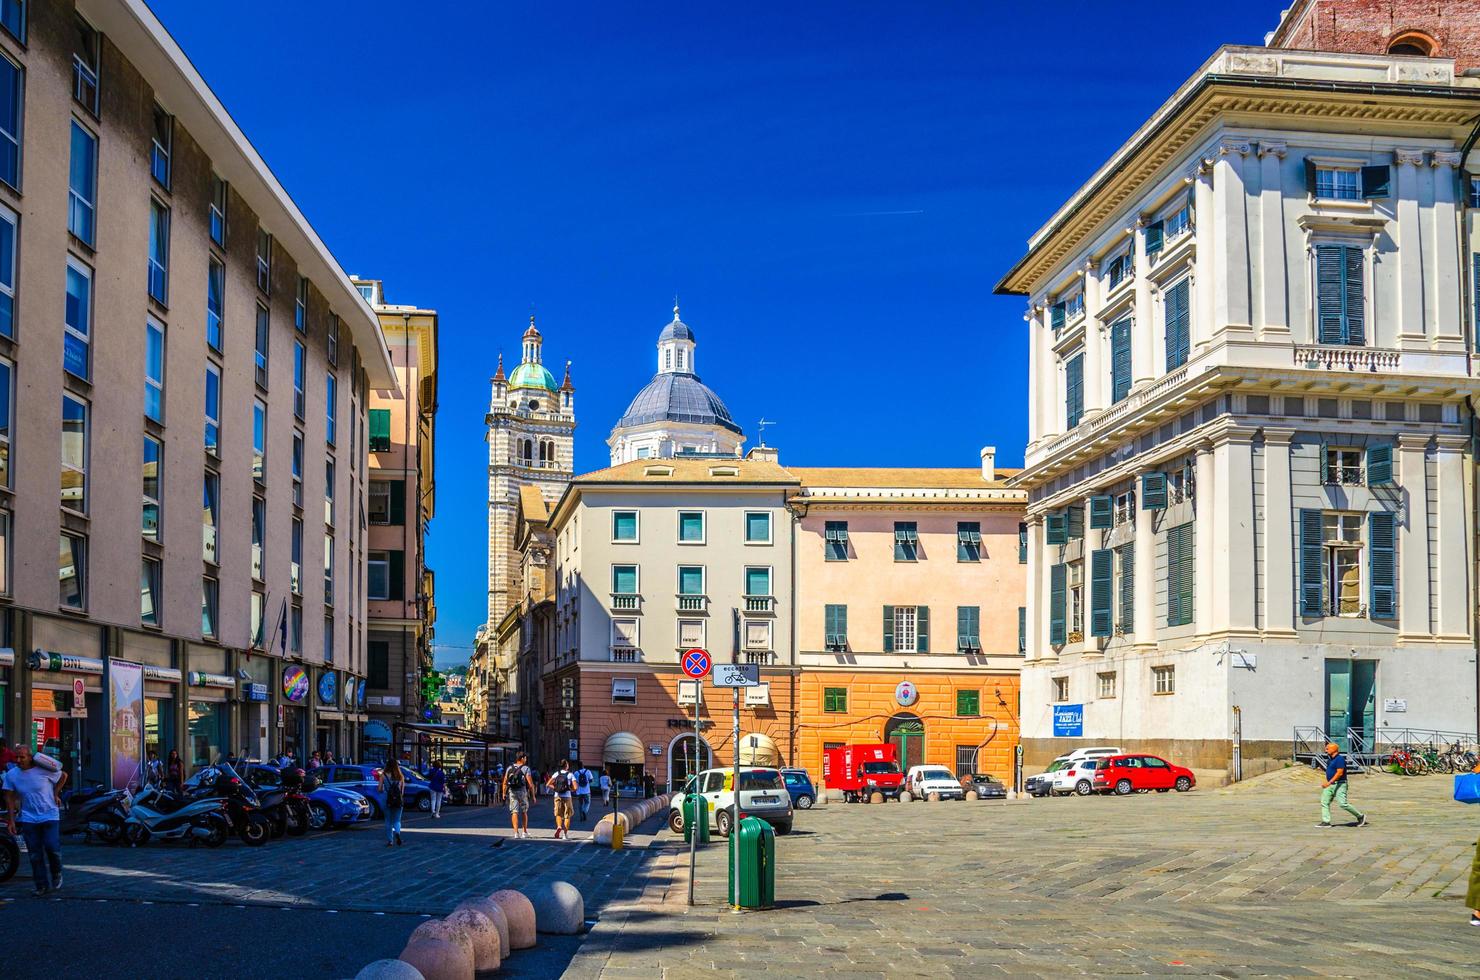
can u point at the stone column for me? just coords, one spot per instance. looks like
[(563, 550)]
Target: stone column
[(1035, 639), (1204, 270), (1413, 540), (1048, 396), (1096, 380), (1035, 422), (1144, 544), (1447, 322), (1410, 254), (1274, 309), (1230, 286), (1455, 536), (1043, 652), (1143, 324), (1205, 576), (1279, 556), (1233, 522)]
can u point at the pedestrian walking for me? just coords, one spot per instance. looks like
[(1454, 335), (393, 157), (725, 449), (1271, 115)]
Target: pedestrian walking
[(583, 780), (174, 772), (518, 788), (393, 785), (154, 770), (562, 786), (606, 788), (1334, 788), (328, 757), (314, 761), (437, 780), (33, 795)]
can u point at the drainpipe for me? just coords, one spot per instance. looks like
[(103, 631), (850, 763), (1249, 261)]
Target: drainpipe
[(1472, 328), (791, 743)]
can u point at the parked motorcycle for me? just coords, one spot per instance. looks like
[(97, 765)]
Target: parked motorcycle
[(243, 807), (96, 812), (157, 813)]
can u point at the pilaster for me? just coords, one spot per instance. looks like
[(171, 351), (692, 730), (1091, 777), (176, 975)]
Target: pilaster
[(1447, 322), (1230, 286), (1205, 506), (1410, 254), (1034, 637), (1205, 265), (1413, 540), (1233, 526), (1096, 381), (1274, 310), (1454, 538), (1144, 543), (1035, 424), (1043, 650), (1279, 536), (1143, 348)]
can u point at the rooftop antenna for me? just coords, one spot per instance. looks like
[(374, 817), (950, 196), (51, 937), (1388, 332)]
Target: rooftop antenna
[(761, 429)]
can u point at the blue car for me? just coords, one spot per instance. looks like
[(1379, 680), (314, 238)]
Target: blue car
[(328, 806), (365, 780), (799, 785)]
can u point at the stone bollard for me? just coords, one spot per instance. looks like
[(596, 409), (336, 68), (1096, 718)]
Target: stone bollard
[(389, 970), (906, 797), (495, 914), (558, 908), (876, 798), (487, 946), (520, 913), (447, 932), (933, 798), (821, 799), (438, 959), (972, 794)]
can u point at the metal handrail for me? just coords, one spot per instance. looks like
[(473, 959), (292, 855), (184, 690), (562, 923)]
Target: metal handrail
[(1309, 743)]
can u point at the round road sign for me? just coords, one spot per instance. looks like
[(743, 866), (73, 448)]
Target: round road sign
[(696, 662)]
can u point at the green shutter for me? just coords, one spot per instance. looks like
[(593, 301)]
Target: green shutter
[(1056, 528), (1330, 293), (1177, 317), (1120, 359), (1127, 588), (1325, 464), (1380, 465), (1100, 581), (1354, 329), (1075, 517), (1056, 598), (888, 629), (380, 429), (1310, 563), (1153, 491), (1181, 558), (1074, 390), (1022, 543), (1022, 629), (963, 627), (397, 575), (1056, 316), (922, 629), (1101, 511), (1377, 181), (398, 501), (1154, 237), (1475, 280), (1310, 177), (1382, 565)]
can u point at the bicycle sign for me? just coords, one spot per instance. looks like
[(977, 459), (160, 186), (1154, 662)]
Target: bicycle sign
[(696, 663)]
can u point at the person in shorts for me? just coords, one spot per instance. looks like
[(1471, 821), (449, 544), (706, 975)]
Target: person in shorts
[(562, 784), (518, 789), (583, 778)]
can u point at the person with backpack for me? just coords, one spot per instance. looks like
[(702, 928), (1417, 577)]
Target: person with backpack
[(562, 785), (393, 785), (583, 781), (517, 787), (437, 780)]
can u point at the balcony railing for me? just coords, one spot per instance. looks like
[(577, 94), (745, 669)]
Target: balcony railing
[(626, 601), (1365, 359), (626, 655), (760, 603), (763, 657), (693, 603), (1114, 415)]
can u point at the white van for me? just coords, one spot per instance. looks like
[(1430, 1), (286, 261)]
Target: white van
[(924, 780), (762, 794)]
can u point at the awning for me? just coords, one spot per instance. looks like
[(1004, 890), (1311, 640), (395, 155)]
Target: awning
[(623, 748), (759, 750)]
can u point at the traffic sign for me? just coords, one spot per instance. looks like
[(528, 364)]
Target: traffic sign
[(737, 675), (696, 662)]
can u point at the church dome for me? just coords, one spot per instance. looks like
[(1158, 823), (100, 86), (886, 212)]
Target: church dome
[(674, 397), (676, 330), (529, 375)]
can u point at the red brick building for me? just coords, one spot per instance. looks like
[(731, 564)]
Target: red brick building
[(1425, 28)]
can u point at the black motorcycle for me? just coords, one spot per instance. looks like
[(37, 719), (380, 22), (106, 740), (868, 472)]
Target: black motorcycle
[(243, 807), (96, 812)]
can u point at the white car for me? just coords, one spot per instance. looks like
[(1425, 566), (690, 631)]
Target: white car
[(921, 781), (1077, 776), (763, 794)]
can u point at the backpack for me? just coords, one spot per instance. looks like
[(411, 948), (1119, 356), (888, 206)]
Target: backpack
[(561, 782), (583, 779), (395, 794)]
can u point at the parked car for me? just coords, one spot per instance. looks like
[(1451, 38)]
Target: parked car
[(799, 785), (365, 780), (985, 785), (1094, 752), (762, 794), (924, 780), (1077, 777), (1042, 783), (859, 770), (1125, 774)]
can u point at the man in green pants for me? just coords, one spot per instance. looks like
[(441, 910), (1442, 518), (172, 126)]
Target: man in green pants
[(1334, 788)]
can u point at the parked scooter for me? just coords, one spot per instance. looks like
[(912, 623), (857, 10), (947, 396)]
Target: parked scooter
[(243, 807), (157, 813), (96, 812)]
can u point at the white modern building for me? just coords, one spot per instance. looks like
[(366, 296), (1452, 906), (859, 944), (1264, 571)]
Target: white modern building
[(1250, 469)]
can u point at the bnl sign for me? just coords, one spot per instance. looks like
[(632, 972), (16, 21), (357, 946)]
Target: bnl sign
[(1068, 720)]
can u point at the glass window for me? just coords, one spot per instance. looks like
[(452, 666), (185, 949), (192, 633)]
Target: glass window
[(210, 602), (72, 571), (331, 395), (380, 502), (328, 639), (264, 261), (1166, 679), (691, 526), (834, 699), (259, 609), (690, 580), (624, 579), (210, 516), (149, 592), (624, 525), (215, 301), (295, 629), (295, 559), (1061, 688), (300, 357), (213, 410), (968, 628), (85, 66), (77, 331), (329, 567), (757, 581), (82, 184), (264, 330), (758, 527), (297, 469), (1107, 684), (690, 633), (259, 441), (329, 491), (7, 407), (1338, 185), (300, 306), (378, 582), (13, 18), (11, 91), (218, 210), (757, 634), (331, 336), (74, 454), (836, 545), (259, 535), (154, 370), (968, 541), (906, 541), (159, 152), (153, 472), (906, 634)]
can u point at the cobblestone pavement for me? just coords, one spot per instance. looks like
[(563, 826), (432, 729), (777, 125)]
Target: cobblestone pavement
[(1232, 882)]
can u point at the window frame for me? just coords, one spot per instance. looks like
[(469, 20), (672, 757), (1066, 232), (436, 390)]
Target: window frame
[(1164, 679), (906, 548), (703, 527), (82, 212), (835, 700), (258, 552), (154, 385), (156, 500), (770, 582), (679, 577), (370, 562), (968, 542), (220, 201), (749, 514), (374, 490), (210, 606), (78, 558), (835, 541), (264, 261), (331, 409), (636, 578), (1353, 170), (70, 332), (159, 251), (259, 441), (262, 346), (636, 527), (300, 380), (7, 421), (211, 517), (86, 447), (968, 703), (1102, 677), (22, 8), (151, 576), (212, 411), (86, 72), (300, 306), (15, 140), (1060, 689)]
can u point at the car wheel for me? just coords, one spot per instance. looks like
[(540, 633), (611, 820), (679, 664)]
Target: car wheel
[(722, 823), (675, 821), (1183, 784), (804, 802), (1163, 790), (319, 816), (782, 829), (424, 803), (375, 812), (1124, 788), (1084, 787)]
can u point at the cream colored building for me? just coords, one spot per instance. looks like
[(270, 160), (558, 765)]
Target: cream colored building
[(1250, 472)]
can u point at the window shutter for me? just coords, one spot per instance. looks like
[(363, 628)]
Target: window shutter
[(1100, 575), (1056, 632), (1154, 491), (1377, 181), (397, 574), (1310, 177), (1120, 359), (1325, 464), (1475, 279), (1127, 587), (1101, 511), (888, 629), (922, 629), (963, 626), (1057, 528), (1180, 571), (1330, 293), (1154, 237), (1178, 338), (1382, 570), (1022, 543), (1056, 316), (1074, 390), (842, 622), (1380, 465), (1076, 521), (1022, 629), (1354, 329), (1310, 562), (398, 501)]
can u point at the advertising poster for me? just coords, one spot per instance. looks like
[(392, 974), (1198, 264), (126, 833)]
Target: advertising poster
[(125, 723), (295, 683)]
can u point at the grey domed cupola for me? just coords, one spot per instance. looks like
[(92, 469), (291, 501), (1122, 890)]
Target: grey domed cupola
[(676, 347)]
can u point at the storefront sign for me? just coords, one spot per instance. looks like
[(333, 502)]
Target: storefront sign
[(199, 678), (1068, 721), (906, 694), (256, 692), (1395, 705), (704, 723), (391, 701), (349, 692), (295, 683), (125, 723), (170, 675), (758, 695), (64, 663), (377, 731), (655, 748), (7, 657), (574, 747), (328, 687)]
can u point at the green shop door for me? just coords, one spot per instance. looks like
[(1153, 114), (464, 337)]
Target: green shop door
[(1351, 700), (907, 734)]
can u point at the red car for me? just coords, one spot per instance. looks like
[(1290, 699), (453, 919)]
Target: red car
[(1124, 774)]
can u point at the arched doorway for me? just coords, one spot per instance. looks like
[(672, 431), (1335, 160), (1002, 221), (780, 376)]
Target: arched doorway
[(685, 758), (906, 732)]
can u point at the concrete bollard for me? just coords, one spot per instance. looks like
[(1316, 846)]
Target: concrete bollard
[(558, 908), (438, 959), (520, 913), (389, 970), (494, 914), (906, 797), (933, 798), (487, 946), (971, 794), (876, 798)]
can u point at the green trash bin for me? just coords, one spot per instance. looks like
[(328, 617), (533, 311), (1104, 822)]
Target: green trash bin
[(757, 843), (691, 803)]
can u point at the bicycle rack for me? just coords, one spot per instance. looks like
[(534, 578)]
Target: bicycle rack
[(1308, 744)]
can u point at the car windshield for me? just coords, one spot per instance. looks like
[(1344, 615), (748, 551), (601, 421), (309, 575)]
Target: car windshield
[(759, 781), (795, 779), (983, 777), (1058, 764), (937, 774), (874, 768)]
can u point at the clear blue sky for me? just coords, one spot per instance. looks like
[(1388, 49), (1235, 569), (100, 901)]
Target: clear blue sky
[(831, 189)]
